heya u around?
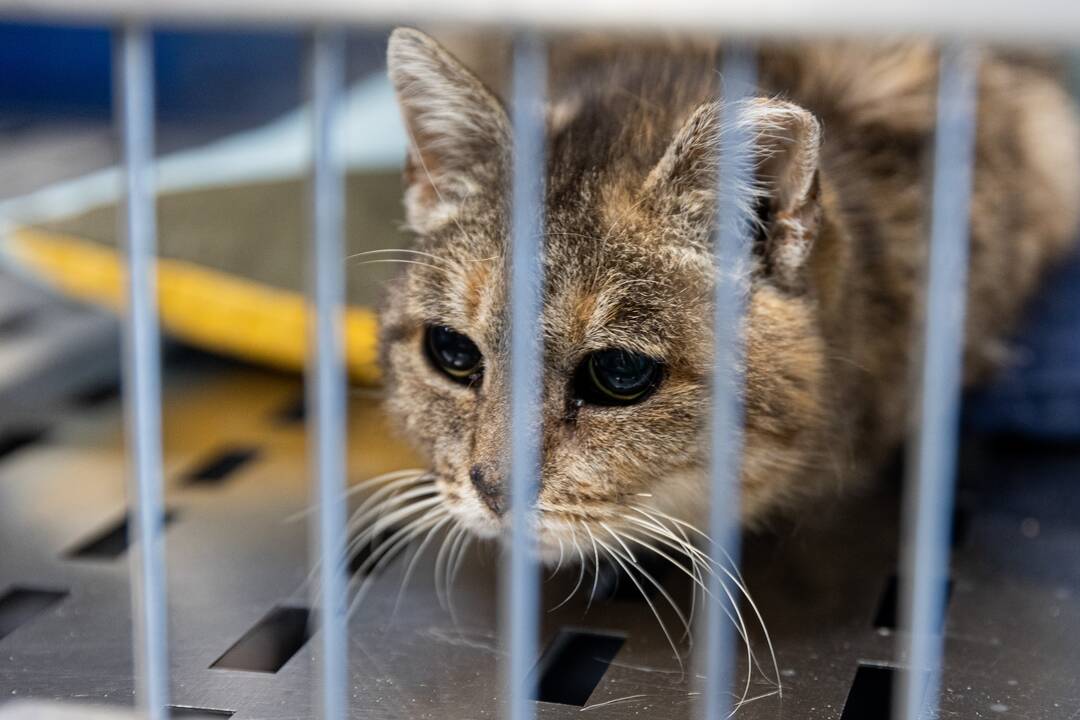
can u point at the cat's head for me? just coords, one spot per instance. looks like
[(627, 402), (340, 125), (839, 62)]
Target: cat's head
[(627, 303)]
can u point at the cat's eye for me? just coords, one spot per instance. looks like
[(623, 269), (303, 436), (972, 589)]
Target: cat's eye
[(454, 354), (616, 377)]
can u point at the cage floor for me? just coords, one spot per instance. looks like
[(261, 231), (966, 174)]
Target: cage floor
[(237, 562)]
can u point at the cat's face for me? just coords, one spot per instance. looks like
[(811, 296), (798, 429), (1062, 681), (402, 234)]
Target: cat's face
[(626, 315)]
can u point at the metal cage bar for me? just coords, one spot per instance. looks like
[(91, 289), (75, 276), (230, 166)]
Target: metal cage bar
[(142, 374), (520, 576), (326, 383), (731, 252), (931, 462), (1004, 19)]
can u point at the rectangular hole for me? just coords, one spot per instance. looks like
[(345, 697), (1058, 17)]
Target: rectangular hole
[(178, 712), (18, 322), (109, 543), (293, 412), (268, 645), (871, 693), (20, 605), (886, 616), (218, 467), (573, 664), (15, 439), (960, 525), (97, 395)]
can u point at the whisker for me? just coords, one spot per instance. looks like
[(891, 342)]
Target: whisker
[(736, 619), (581, 570), (660, 588), (431, 533), (440, 571), (747, 701), (387, 551), (694, 573), (737, 580), (453, 565), (619, 540), (364, 514), (390, 488), (656, 614), (558, 565), (412, 474), (384, 524), (408, 251), (596, 567)]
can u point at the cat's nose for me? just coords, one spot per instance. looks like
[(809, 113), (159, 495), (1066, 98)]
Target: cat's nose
[(490, 492)]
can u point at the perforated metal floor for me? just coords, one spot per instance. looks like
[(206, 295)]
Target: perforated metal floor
[(236, 472)]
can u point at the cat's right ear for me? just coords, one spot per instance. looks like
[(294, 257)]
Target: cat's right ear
[(782, 189), (459, 131)]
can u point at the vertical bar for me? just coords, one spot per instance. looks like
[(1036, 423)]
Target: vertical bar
[(142, 375), (520, 590), (731, 248), (931, 462), (326, 383)]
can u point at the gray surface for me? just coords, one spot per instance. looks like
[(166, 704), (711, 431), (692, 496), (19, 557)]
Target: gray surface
[(39, 710)]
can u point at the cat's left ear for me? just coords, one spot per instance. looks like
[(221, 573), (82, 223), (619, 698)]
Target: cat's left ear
[(459, 131), (784, 193)]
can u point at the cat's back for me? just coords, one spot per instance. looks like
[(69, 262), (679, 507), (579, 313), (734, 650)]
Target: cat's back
[(878, 107)]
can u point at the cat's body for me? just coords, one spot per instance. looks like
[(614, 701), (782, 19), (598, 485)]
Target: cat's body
[(843, 137)]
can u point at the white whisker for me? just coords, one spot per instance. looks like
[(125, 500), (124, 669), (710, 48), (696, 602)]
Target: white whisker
[(383, 251), (581, 570), (596, 567), (414, 475), (708, 561), (431, 533), (656, 614)]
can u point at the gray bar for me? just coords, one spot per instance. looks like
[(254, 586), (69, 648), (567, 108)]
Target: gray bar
[(520, 579), (931, 461), (1032, 21), (142, 376), (326, 383), (731, 247)]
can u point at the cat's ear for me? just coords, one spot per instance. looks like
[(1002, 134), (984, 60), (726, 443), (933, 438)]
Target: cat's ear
[(783, 194), (459, 131)]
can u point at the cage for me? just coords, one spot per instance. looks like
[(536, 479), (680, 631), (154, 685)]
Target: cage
[(183, 548)]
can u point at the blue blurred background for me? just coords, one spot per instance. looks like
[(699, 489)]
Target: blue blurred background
[(47, 69)]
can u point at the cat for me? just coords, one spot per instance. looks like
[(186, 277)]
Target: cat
[(842, 137)]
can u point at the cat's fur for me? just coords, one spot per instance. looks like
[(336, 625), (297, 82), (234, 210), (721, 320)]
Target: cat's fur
[(843, 133)]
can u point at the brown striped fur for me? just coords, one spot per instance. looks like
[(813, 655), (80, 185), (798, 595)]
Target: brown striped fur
[(843, 136)]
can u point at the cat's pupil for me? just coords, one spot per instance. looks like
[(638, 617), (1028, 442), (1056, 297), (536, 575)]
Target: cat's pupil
[(453, 353), (616, 377), (622, 371)]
